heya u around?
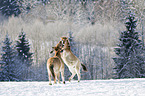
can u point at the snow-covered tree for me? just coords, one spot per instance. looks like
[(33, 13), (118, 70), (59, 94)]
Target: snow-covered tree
[(9, 7), (44, 2), (7, 64), (130, 60), (23, 48), (27, 5)]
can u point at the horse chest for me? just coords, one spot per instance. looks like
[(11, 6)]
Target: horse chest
[(65, 54), (66, 58)]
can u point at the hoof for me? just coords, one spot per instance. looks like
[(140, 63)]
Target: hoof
[(55, 83), (78, 81), (63, 82), (69, 80), (50, 83)]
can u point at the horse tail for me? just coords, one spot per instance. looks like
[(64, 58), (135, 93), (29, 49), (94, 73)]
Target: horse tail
[(52, 70), (84, 67)]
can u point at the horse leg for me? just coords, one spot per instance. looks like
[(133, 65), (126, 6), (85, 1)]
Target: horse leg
[(62, 76), (55, 78), (72, 76), (49, 79), (58, 77), (78, 73)]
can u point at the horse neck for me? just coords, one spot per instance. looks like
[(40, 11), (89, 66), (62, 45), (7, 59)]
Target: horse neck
[(68, 49)]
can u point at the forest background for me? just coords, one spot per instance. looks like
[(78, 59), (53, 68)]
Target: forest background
[(93, 25)]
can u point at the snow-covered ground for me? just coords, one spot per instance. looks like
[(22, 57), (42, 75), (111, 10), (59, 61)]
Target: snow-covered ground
[(122, 87)]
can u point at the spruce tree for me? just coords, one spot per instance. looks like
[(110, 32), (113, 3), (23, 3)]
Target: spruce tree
[(9, 7), (130, 61), (23, 49), (7, 63)]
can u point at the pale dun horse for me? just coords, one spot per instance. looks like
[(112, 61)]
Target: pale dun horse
[(55, 66), (71, 60)]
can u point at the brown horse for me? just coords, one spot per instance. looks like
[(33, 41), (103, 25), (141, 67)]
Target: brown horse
[(54, 66), (71, 60)]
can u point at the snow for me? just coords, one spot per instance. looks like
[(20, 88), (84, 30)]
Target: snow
[(118, 87)]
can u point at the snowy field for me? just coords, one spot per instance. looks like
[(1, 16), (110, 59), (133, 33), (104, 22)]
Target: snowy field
[(122, 87)]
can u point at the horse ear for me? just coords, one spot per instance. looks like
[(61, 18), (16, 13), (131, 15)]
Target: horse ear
[(51, 52), (61, 38), (64, 38)]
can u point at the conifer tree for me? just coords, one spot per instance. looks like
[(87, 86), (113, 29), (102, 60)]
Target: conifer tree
[(7, 63), (9, 7), (130, 60), (23, 48)]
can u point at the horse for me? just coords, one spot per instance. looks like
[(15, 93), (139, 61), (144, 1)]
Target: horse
[(55, 66), (71, 60)]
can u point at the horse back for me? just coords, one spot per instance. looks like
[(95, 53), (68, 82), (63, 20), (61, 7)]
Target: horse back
[(55, 61)]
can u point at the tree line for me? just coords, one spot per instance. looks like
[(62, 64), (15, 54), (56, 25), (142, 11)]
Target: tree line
[(129, 61)]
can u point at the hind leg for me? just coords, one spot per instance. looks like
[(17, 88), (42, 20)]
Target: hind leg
[(62, 72), (58, 77), (78, 73), (55, 78), (49, 75), (72, 76), (72, 70), (62, 76), (49, 79)]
